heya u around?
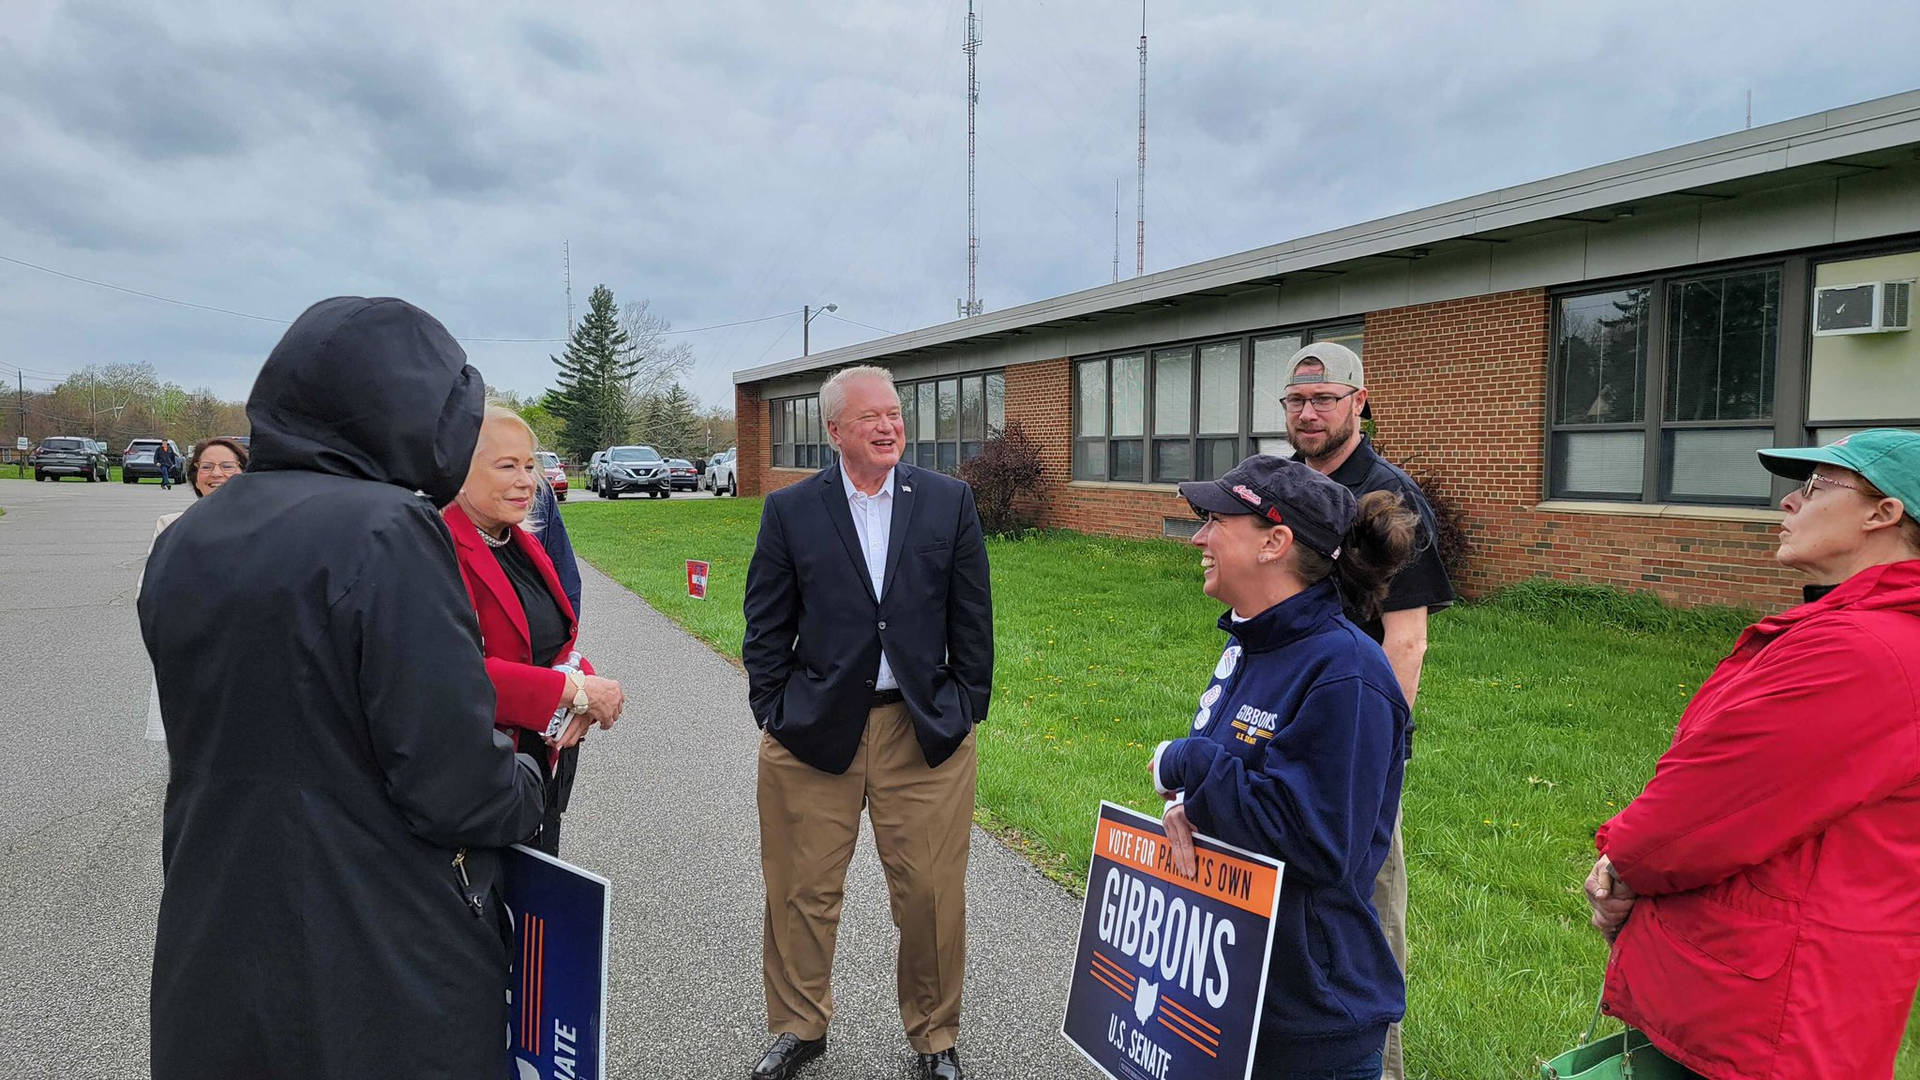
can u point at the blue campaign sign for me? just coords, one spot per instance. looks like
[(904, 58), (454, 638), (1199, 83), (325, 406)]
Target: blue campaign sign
[(558, 988), (1171, 971)]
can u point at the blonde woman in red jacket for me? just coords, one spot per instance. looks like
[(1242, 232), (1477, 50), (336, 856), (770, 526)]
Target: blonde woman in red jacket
[(1765, 887), (546, 693)]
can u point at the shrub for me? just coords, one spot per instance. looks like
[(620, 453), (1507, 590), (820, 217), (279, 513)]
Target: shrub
[(1007, 467), (1449, 522)]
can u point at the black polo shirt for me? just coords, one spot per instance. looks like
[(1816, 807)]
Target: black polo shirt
[(1423, 582)]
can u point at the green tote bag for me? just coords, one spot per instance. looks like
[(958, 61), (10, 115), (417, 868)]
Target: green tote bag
[(1626, 1055)]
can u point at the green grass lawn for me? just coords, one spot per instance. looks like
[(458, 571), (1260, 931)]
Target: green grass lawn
[(1541, 713)]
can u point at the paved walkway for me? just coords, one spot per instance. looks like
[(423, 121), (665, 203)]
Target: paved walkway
[(664, 808)]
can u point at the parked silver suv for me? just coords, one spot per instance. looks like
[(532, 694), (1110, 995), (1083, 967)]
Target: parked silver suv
[(634, 468), (722, 477)]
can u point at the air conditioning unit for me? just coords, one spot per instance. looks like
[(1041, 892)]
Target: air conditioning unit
[(1870, 307)]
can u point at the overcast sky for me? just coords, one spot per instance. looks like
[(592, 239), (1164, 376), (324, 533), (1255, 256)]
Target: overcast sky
[(729, 160)]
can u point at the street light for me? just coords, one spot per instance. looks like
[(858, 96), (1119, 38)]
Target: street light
[(807, 315)]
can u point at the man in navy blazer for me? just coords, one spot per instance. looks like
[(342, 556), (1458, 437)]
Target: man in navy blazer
[(869, 656)]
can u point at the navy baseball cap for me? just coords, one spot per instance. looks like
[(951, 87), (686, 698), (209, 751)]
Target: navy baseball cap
[(1284, 492)]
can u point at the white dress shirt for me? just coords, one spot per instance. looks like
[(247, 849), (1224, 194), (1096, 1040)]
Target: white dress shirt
[(873, 521)]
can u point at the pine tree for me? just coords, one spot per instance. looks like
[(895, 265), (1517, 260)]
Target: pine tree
[(590, 395), (676, 426)]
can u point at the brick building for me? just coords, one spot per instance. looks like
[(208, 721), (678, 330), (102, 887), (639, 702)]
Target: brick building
[(1584, 365)]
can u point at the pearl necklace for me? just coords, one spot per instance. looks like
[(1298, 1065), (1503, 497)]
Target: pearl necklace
[(490, 541)]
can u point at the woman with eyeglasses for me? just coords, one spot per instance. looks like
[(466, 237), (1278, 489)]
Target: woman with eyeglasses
[(212, 463), (1298, 747), (1763, 892)]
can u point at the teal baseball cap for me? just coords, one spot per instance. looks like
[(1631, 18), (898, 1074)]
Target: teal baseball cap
[(1888, 458)]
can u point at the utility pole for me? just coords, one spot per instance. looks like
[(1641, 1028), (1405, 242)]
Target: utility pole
[(1140, 210), (21, 393), (93, 406), (971, 305), (1116, 228), (566, 266)]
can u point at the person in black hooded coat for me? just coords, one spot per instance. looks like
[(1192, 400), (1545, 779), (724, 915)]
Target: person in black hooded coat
[(337, 794)]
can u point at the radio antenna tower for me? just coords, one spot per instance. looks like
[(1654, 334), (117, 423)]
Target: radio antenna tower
[(1140, 209), (971, 305), (566, 266), (1116, 228)]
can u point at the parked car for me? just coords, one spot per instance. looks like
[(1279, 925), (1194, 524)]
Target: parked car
[(69, 455), (555, 472), (634, 468), (682, 474), (136, 462), (721, 479), (595, 465)]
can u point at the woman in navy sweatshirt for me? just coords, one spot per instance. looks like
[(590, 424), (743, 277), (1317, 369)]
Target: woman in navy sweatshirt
[(1298, 746)]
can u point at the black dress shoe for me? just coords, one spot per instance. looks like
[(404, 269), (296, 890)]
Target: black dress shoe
[(944, 1065), (788, 1053)]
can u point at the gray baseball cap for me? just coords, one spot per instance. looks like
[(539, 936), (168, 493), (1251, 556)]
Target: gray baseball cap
[(1338, 364)]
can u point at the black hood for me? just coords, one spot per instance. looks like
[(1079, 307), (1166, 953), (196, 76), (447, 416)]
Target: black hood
[(374, 389)]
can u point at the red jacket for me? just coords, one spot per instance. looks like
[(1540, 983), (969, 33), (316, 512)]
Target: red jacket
[(525, 693), (1777, 849)]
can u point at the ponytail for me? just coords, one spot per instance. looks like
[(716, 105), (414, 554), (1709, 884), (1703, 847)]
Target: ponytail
[(1379, 543)]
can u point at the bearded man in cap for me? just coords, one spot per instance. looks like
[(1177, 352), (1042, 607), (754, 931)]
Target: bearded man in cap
[(1326, 399)]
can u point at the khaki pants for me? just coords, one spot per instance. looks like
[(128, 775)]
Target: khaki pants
[(1390, 902), (922, 821)]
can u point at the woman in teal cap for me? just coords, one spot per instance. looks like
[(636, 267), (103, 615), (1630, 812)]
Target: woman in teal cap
[(1765, 887)]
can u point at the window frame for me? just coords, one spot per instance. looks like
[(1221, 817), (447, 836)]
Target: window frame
[(786, 416), (1804, 431), (1244, 438), (1789, 381), (959, 444)]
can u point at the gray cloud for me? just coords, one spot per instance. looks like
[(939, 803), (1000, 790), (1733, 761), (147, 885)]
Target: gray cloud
[(736, 159)]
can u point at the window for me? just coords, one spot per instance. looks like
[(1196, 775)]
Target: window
[(1861, 381), (799, 436), (1205, 406), (949, 420), (1269, 426), (1723, 337), (1697, 354), (1600, 366)]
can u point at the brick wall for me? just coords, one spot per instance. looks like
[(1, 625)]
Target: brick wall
[(750, 437), (1459, 391), (754, 437)]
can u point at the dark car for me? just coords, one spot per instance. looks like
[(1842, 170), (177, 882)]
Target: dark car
[(682, 475), (68, 455), (137, 463), (634, 468)]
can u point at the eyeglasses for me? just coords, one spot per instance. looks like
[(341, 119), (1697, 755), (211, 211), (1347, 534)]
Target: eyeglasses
[(217, 467), (1806, 490), (1296, 403)]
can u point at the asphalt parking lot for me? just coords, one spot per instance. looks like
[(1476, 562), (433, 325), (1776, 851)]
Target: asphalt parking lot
[(664, 808)]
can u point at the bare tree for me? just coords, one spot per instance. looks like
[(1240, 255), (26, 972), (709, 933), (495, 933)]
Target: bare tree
[(662, 362)]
